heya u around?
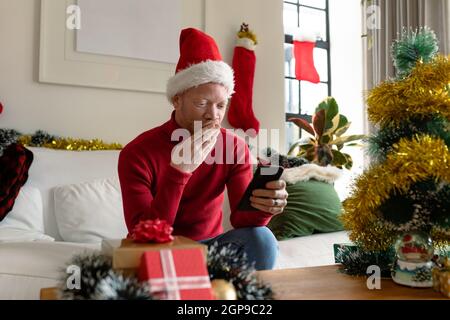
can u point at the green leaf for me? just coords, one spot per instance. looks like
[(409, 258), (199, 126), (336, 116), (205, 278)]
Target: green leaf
[(342, 121), (338, 158), (354, 144), (306, 148), (342, 140), (326, 138), (342, 129), (334, 125), (331, 110), (292, 148), (319, 123), (349, 163), (303, 124)]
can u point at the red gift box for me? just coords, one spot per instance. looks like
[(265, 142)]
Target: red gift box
[(176, 274)]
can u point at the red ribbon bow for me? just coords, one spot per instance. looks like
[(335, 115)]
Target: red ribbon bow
[(152, 231)]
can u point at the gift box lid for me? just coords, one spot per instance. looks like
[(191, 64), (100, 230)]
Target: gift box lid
[(127, 254)]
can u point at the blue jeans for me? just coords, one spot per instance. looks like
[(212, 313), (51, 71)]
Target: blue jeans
[(258, 243)]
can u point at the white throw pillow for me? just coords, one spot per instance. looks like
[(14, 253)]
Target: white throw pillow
[(8, 234), (25, 222), (89, 212)]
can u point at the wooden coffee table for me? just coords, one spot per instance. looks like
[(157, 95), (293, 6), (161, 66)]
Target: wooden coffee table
[(327, 283)]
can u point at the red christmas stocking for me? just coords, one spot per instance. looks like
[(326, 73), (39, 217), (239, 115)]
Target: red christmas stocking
[(304, 61), (240, 114)]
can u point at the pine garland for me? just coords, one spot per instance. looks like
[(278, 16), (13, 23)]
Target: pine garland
[(93, 267), (230, 264), (356, 260), (99, 282), (271, 156), (42, 139), (7, 137), (117, 287)]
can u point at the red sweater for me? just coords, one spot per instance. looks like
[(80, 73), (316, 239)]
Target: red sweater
[(191, 203)]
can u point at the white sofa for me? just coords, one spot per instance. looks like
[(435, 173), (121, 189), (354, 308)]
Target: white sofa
[(33, 253)]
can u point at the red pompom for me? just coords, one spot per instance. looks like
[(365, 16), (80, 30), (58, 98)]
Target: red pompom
[(152, 231), (1, 107)]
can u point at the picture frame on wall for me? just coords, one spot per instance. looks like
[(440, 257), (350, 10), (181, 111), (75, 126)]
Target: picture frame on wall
[(104, 55)]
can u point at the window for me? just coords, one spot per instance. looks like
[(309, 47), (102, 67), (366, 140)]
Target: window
[(302, 97)]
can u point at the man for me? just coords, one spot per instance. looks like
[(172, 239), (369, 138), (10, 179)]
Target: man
[(188, 193)]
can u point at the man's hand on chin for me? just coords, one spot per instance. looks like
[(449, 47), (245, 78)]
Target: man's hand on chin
[(197, 148), (272, 199), (211, 124)]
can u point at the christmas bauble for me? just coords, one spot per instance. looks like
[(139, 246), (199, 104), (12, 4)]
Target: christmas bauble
[(223, 290)]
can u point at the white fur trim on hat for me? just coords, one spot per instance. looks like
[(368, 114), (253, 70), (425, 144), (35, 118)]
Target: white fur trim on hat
[(200, 73), (310, 171), (245, 43)]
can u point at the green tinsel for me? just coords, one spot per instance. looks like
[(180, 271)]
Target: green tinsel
[(413, 46), (381, 142), (230, 264), (117, 287), (7, 137), (355, 260)]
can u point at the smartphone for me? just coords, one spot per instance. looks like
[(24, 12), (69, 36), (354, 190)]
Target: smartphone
[(262, 175)]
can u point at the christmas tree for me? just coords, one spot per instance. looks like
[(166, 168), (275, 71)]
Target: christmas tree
[(407, 186)]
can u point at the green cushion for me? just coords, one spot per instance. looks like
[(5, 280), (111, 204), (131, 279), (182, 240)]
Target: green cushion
[(313, 207)]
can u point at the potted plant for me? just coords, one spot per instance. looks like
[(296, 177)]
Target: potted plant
[(325, 145), (313, 206)]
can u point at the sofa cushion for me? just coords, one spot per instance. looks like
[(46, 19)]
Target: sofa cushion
[(53, 168), (313, 207), (25, 221), (9, 234), (91, 211), (14, 165)]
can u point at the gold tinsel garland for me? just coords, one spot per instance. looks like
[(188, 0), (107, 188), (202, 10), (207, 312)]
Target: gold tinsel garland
[(423, 93), (411, 161), (71, 144)]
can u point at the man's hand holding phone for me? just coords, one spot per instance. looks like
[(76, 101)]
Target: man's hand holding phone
[(272, 199), (266, 192)]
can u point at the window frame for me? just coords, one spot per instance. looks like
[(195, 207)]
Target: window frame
[(288, 39)]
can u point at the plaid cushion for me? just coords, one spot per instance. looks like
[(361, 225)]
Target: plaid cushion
[(14, 165)]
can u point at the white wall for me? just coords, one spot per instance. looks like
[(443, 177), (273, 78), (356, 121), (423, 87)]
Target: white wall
[(265, 17), (119, 115), (347, 76)]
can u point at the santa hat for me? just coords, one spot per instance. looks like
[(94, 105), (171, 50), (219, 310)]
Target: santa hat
[(200, 62)]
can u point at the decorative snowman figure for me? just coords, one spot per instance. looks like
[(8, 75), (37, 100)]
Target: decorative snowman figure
[(413, 264)]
